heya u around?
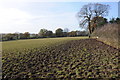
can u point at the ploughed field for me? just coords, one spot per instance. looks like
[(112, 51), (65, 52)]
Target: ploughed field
[(73, 58)]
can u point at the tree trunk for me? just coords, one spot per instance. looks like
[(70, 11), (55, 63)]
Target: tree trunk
[(90, 31)]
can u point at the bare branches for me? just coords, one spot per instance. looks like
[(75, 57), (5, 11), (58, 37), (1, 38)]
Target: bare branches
[(100, 9), (82, 23), (93, 10), (89, 11)]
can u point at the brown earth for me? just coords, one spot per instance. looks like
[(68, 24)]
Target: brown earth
[(85, 58)]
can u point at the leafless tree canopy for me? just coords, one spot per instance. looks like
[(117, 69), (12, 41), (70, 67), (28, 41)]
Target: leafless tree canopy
[(90, 11), (100, 9)]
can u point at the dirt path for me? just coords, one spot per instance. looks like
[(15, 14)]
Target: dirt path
[(85, 58)]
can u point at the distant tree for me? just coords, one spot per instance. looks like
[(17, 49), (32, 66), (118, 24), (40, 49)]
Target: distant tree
[(89, 11), (118, 20), (115, 20), (72, 33), (15, 36), (112, 20), (82, 33), (54, 35), (98, 22), (37, 36), (49, 34), (43, 32), (26, 35), (9, 36), (59, 32), (21, 36), (33, 36), (65, 32)]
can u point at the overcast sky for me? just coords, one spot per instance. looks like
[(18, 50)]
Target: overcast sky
[(33, 15)]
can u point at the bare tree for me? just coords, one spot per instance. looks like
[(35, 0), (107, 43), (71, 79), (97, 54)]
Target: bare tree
[(89, 11), (66, 30)]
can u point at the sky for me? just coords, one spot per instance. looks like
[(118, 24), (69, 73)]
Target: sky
[(33, 15)]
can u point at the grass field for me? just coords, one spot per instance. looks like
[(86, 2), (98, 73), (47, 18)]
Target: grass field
[(69, 57), (35, 43), (17, 47)]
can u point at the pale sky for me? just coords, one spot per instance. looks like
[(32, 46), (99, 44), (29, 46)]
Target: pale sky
[(33, 15)]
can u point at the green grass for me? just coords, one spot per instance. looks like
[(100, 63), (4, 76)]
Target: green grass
[(35, 43)]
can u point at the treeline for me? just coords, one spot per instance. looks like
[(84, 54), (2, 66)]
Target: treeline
[(43, 33), (101, 21), (115, 20), (98, 22)]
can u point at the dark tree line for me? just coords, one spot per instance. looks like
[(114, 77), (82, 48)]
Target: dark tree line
[(115, 20), (43, 33)]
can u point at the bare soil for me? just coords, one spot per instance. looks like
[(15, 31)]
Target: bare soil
[(85, 58)]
